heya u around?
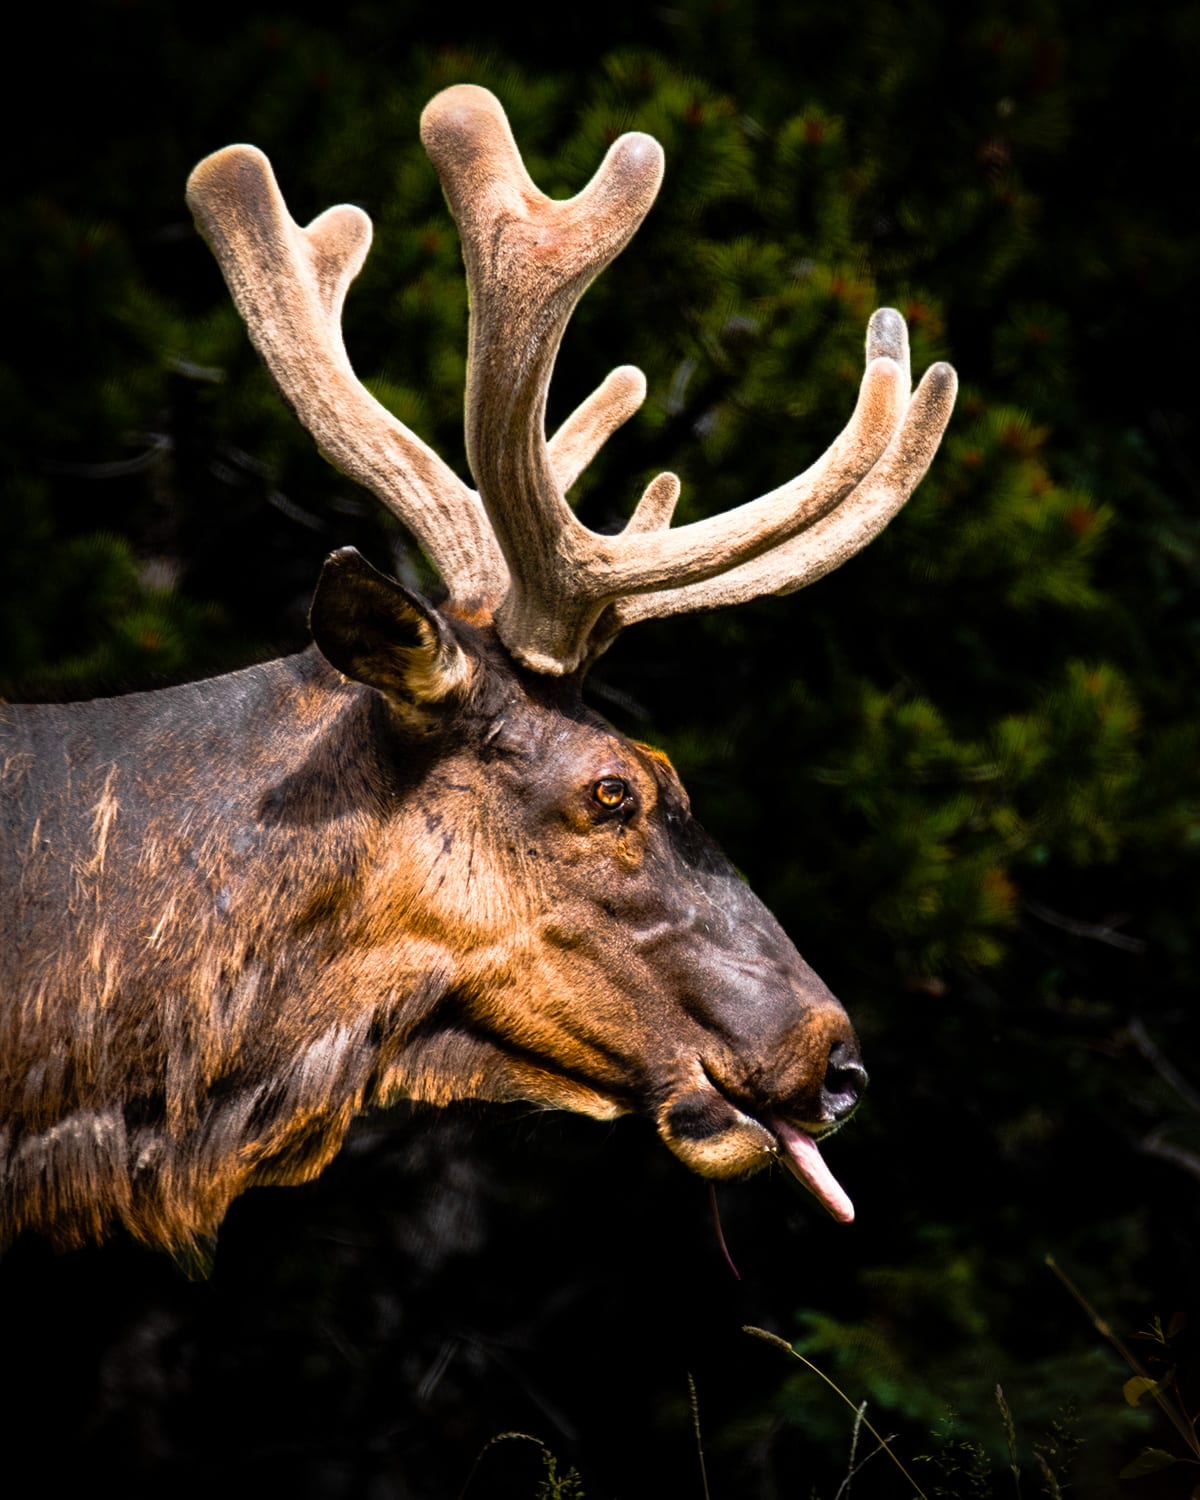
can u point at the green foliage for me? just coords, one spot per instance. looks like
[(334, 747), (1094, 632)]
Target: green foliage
[(959, 1463), (556, 1486), (950, 1337)]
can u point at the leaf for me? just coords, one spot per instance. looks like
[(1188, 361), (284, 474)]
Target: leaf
[(1136, 1387), (1148, 1461), (1177, 1324)]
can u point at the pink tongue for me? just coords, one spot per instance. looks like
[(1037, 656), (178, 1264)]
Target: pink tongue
[(805, 1163)]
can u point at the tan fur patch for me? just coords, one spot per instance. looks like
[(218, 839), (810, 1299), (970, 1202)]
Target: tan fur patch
[(104, 815)]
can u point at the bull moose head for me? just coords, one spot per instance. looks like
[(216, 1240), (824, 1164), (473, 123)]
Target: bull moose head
[(416, 865)]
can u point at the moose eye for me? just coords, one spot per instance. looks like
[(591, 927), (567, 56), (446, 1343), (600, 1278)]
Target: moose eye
[(610, 791)]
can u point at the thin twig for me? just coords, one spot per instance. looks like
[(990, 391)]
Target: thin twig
[(1161, 1064), (716, 1213), (696, 1426), (1010, 1432), (773, 1338), (844, 1487), (500, 1437), (1179, 1156), (1106, 1330), (1099, 932), (852, 1467), (854, 1433)]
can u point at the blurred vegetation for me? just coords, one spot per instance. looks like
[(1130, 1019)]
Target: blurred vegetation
[(963, 770)]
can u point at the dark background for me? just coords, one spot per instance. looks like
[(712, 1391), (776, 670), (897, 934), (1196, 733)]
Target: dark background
[(963, 771)]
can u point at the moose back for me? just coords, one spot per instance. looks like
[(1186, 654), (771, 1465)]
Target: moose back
[(411, 862)]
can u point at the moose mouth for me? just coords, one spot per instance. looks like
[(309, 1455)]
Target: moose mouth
[(717, 1137), (710, 1132)]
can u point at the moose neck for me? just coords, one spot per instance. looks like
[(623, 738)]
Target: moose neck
[(222, 832)]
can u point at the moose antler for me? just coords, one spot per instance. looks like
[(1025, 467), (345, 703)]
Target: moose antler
[(289, 285), (558, 590)]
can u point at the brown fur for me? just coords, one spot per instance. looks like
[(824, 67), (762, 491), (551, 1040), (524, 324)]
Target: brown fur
[(238, 914)]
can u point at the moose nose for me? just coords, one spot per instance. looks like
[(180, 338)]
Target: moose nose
[(845, 1079)]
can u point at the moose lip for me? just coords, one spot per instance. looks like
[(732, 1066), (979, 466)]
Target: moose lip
[(801, 1156), (797, 1149)]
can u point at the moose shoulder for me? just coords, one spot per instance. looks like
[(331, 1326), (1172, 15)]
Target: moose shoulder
[(410, 862)]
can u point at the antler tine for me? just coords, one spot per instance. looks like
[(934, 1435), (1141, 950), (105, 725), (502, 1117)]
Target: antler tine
[(594, 421), (830, 540), (646, 555), (695, 559), (656, 506), (289, 285), (528, 260), (703, 549)]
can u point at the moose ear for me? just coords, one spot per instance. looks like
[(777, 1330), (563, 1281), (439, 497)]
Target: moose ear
[(376, 631)]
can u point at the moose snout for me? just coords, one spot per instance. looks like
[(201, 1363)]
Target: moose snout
[(845, 1080), (817, 1078)]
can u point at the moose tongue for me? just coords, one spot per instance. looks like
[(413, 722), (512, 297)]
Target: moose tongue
[(805, 1163)]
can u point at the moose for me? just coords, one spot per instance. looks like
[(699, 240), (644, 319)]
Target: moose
[(410, 862)]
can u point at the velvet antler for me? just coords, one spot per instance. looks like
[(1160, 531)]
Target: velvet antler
[(558, 591)]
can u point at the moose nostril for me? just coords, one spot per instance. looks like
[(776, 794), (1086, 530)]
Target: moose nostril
[(845, 1079)]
